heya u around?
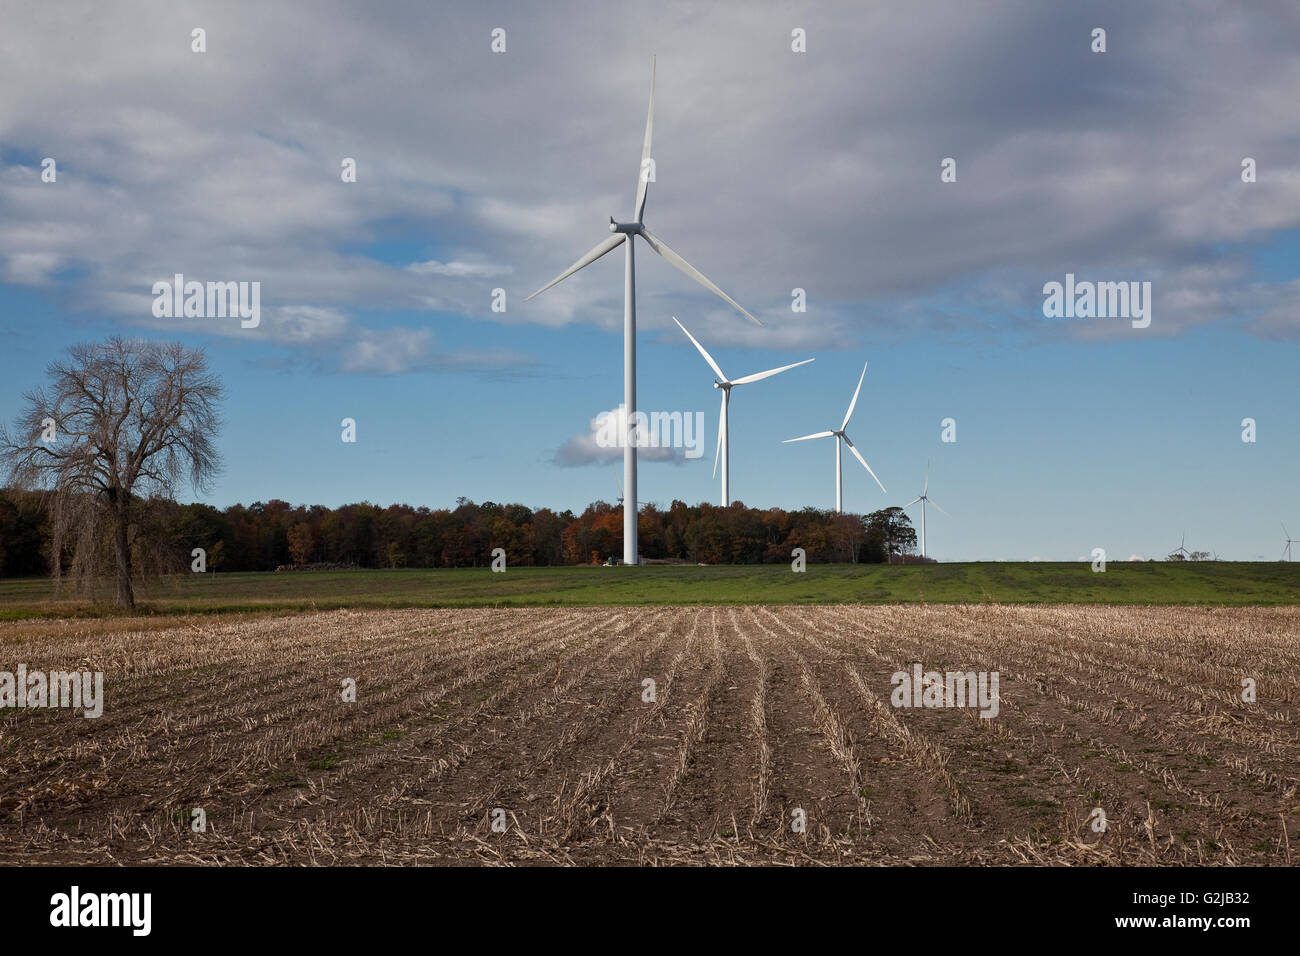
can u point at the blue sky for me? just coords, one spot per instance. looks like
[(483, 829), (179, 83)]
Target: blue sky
[(776, 170)]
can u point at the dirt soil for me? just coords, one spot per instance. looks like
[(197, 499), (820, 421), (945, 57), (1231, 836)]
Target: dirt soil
[(531, 737)]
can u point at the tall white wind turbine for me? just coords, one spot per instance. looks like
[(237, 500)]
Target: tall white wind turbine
[(1289, 541), (726, 385), (924, 498), (841, 434), (623, 233)]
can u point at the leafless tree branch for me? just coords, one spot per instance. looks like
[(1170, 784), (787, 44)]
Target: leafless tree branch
[(131, 420)]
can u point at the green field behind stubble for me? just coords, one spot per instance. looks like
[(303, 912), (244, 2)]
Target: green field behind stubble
[(1206, 583)]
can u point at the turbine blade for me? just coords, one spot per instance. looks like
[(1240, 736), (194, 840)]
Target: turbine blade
[(759, 376), (722, 413), (707, 357), (912, 502), (849, 413), (933, 505), (926, 490), (806, 437), (642, 183), (659, 246), (1285, 532), (858, 455), (595, 253)]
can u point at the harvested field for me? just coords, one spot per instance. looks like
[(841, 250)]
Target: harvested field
[(757, 712)]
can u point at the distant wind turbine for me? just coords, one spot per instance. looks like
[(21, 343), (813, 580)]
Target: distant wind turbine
[(924, 498), (841, 434), (620, 493), (1289, 541), (624, 233), (1181, 549), (726, 385)]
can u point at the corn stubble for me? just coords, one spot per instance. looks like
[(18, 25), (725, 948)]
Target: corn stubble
[(759, 712)]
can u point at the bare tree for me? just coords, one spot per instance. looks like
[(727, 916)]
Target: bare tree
[(120, 422)]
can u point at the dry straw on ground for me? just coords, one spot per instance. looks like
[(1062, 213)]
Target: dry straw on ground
[(758, 711)]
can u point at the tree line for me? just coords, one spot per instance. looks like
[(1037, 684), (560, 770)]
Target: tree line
[(267, 535)]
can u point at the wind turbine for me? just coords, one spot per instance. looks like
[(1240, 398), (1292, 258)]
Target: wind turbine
[(620, 493), (1180, 549), (623, 234), (924, 498), (726, 385), (841, 434), (1289, 541)]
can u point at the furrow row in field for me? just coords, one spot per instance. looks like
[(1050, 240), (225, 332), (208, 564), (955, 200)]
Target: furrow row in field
[(418, 694), (189, 712), (758, 725), (1015, 777), (257, 745), (1109, 757), (587, 803), (924, 754), (814, 807), (1214, 686), (519, 778), (1148, 710), (1176, 638), (437, 750), (635, 795), (707, 802)]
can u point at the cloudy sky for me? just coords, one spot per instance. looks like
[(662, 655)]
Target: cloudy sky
[(775, 170)]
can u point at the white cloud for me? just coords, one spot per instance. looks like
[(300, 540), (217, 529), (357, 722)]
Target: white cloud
[(459, 270), (388, 351), (302, 324), (593, 448), (30, 268), (398, 351)]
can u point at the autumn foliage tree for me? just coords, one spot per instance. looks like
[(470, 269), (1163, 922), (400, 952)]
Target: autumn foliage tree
[(301, 543)]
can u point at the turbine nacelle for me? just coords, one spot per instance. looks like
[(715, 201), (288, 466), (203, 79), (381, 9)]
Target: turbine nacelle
[(631, 228)]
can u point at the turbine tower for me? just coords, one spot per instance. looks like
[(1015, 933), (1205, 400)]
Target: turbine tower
[(838, 435), (924, 498), (726, 385), (623, 234)]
